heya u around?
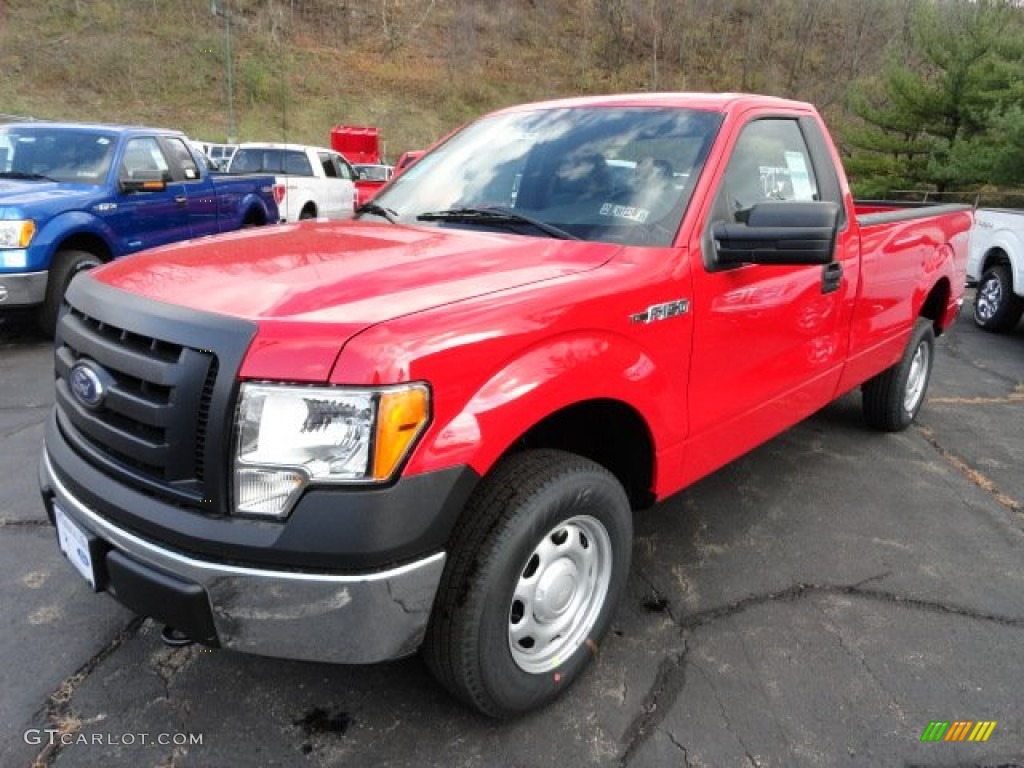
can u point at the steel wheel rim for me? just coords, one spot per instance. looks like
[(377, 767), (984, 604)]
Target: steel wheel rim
[(917, 379), (987, 301), (559, 594)]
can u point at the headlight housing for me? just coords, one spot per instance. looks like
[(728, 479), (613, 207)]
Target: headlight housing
[(290, 437), (17, 233)]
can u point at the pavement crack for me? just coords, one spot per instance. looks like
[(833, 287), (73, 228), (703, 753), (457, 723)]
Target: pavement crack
[(35, 523), (725, 715), (57, 711), (800, 591), (168, 662), (668, 685), (657, 600), (671, 737), (705, 617), (973, 476), (858, 656), (16, 430), (1014, 398)]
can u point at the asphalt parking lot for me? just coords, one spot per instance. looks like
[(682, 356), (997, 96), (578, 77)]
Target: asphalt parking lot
[(817, 603)]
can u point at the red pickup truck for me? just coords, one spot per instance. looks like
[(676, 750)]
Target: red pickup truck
[(431, 427)]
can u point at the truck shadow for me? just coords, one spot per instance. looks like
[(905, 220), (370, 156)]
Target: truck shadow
[(19, 328)]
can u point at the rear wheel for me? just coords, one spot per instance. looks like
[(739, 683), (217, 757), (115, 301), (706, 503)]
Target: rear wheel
[(66, 264), (253, 219), (536, 569), (996, 307), (309, 212), (893, 398)]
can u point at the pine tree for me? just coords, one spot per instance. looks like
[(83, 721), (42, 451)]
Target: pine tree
[(930, 119)]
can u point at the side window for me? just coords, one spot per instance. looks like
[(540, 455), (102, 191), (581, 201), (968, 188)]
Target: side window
[(297, 164), (330, 170), (183, 163), (143, 160), (345, 170), (770, 161)]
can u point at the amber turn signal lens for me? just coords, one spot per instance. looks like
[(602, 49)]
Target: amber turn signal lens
[(401, 415)]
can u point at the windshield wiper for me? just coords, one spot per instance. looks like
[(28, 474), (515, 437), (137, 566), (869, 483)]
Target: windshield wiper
[(495, 216), (378, 210), (22, 175)]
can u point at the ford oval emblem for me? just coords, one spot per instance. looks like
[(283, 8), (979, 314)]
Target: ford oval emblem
[(87, 385)]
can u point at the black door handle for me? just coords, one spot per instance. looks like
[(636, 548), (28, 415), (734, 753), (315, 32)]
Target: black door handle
[(831, 277)]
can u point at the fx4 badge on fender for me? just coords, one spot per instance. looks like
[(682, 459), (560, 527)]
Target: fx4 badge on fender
[(662, 311)]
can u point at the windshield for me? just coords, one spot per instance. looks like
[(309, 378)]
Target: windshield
[(76, 155), (618, 175)]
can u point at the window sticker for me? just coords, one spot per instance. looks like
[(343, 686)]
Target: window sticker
[(631, 212), (799, 176)]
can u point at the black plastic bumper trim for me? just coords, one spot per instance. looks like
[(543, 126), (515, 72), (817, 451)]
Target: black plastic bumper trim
[(333, 529), (166, 598)]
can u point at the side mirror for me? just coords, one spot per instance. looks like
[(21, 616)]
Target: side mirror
[(780, 233), (144, 181)]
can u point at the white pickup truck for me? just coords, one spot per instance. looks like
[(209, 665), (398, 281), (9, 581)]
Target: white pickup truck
[(996, 264), (310, 182)]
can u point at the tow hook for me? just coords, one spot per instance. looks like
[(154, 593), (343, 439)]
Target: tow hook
[(175, 638)]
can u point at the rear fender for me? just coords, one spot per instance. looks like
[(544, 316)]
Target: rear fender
[(253, 201), (940, 291)]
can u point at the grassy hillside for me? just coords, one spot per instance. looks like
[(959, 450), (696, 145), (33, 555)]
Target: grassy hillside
[(414, 68)]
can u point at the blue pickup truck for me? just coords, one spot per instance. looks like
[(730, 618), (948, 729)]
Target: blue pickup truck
[(73, 196)]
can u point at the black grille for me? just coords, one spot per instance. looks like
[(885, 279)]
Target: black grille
[(155, 414)]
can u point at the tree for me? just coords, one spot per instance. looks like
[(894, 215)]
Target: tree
[(929, 120)]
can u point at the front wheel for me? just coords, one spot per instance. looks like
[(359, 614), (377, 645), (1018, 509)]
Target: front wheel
[(892, 399), (536, 569), (996, 307), (66, 264)]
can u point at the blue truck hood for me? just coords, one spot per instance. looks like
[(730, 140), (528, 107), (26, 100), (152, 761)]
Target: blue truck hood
[(30, 199)]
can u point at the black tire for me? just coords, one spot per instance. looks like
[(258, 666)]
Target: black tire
[(66, 264), (537, 503), (996, 307), (893, 398), (309, 212), (253, 219)]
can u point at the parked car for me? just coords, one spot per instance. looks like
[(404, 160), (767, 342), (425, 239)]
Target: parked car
[(432, 426), (996, 266), (310, 181), (369, 179), (73, 196)]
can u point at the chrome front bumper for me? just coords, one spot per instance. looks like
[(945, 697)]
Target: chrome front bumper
[(23, 289), (351, 619)]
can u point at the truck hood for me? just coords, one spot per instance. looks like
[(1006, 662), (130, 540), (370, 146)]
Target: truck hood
[(18, 197), (337, 278)]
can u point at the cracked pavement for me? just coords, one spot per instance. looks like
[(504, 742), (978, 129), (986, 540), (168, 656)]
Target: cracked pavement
[(816, 603)]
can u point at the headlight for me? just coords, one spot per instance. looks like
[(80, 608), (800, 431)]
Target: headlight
[(289, 437), (16, 234)]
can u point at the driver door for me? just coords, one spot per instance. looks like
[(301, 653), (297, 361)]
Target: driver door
[(152, 217), (769, 341)]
